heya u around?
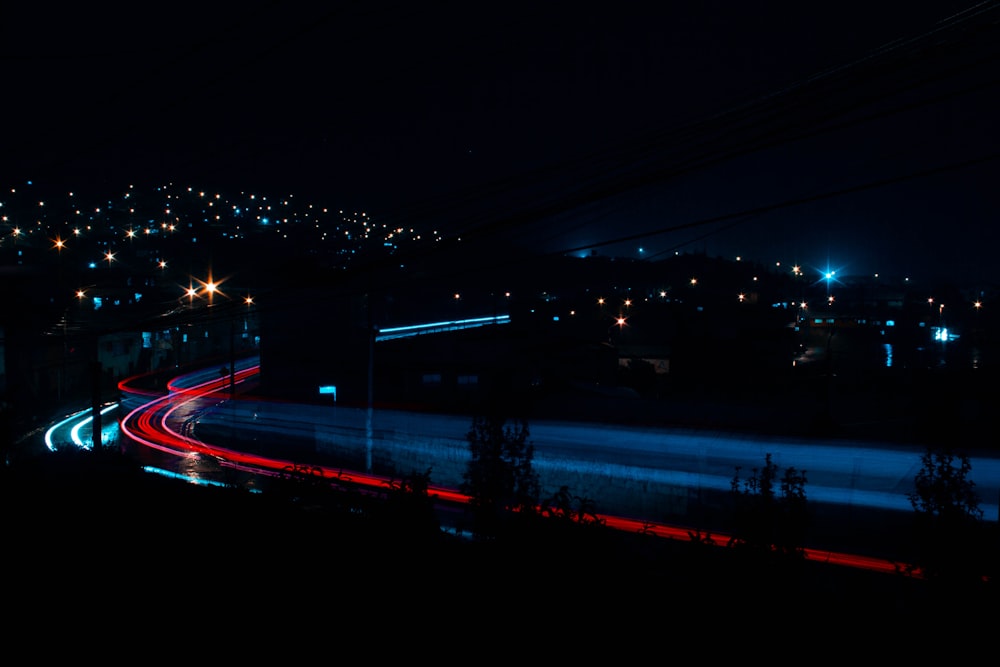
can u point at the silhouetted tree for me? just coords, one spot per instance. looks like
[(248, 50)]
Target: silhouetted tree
[(565, 506), (307, 486), (410, 506), (764, 520), (499, 478), (948, 517), (794, 515)]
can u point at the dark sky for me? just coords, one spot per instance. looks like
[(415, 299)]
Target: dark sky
[(856, 133)]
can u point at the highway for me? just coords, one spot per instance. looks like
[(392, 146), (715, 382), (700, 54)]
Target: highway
[(635, 476)]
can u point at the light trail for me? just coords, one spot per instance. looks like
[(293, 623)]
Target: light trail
[(148, 424), (79, 419), (393, 333)]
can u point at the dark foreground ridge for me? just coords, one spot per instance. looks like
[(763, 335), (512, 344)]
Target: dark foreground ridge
[(81, 525)]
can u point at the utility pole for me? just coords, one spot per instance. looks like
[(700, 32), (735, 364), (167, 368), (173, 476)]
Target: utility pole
[(232, 357), (371, 382), (95, 407)]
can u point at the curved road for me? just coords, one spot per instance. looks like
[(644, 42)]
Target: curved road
[(596, 461)]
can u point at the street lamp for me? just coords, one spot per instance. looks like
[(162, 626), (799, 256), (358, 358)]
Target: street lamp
[(211, 288)]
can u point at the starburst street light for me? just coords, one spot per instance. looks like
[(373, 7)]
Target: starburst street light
[(210, 286)]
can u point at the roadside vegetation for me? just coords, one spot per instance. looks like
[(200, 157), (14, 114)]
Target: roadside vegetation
[(97, 506)]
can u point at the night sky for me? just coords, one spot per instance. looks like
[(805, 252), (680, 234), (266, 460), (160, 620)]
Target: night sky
[(845, 135)]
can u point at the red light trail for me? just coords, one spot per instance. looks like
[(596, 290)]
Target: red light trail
[(149, 424)]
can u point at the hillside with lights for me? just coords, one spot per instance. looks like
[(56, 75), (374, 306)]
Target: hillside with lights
[(147, 279)]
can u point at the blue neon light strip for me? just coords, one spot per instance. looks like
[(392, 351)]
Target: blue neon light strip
[(188, 478), (437, 327)]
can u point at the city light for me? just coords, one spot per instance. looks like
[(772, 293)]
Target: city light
[(715, 294)]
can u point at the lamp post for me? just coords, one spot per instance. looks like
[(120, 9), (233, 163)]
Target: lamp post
[(369, 415)]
